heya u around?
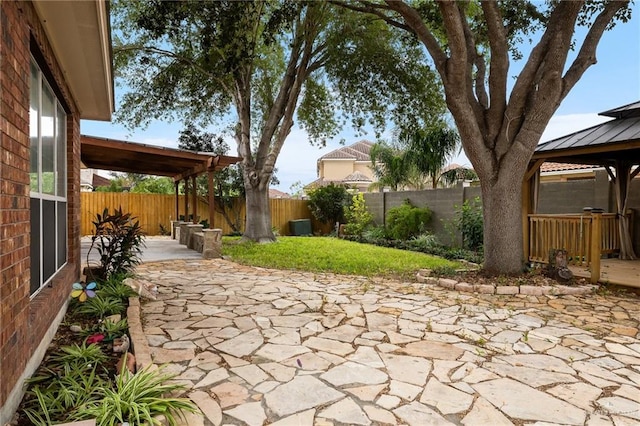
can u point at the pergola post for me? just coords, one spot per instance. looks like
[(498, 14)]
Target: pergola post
[(622, 182), (186, 199), (212, 198), (176, 184), (194, 198)]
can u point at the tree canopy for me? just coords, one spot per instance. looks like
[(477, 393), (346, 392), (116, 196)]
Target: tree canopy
[(255, 63), (472, 44)]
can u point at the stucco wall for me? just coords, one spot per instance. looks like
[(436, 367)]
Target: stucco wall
[(554, 198)]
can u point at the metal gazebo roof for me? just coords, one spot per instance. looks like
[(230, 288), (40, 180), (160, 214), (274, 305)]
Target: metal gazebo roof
[(602, 144)]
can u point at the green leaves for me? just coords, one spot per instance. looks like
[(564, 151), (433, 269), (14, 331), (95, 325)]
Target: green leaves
[(327, 203), (117, 238), (138, 398), (390, 165), (428, 149)]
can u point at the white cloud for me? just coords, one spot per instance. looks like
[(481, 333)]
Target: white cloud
[(562, 125)]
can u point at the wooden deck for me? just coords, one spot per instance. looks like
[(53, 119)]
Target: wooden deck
[(614, 271)]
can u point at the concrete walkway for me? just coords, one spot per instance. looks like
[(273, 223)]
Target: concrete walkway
[(257, 346), (156, 248)]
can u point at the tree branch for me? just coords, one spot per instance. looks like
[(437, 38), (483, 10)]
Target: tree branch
[(372, 9), (170, 54), (414, 21), (498, 67)]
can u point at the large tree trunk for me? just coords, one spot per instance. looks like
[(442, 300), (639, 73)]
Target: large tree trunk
[(501, 208), (258, 222)]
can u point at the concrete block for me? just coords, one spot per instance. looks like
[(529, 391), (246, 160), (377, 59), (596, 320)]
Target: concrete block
[(484, 288), (531, 290), (466, 287), (507, 289), (447, 283)]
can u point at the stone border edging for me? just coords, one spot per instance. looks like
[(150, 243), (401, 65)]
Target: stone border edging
[(529, 290), (138, 340)]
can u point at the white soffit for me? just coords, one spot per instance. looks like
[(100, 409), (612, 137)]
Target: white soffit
[(78, 32)]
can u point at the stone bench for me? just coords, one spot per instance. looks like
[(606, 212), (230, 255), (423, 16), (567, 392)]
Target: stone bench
[(192, 229), (198, 241), (212, 244), (206, 241)]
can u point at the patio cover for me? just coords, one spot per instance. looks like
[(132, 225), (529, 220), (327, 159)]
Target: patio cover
[(131, 157), (614, 144)]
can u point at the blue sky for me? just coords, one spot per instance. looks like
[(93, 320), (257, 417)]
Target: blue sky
[(612, 82)]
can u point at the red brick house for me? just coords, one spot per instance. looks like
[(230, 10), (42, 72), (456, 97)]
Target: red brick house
[(55, 69)]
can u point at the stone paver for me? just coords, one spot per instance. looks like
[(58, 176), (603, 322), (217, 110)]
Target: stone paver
[(257, 346)]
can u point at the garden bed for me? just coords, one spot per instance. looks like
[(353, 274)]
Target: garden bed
[(89, 373)]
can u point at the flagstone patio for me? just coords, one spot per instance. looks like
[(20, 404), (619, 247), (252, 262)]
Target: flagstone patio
[(257, 346)]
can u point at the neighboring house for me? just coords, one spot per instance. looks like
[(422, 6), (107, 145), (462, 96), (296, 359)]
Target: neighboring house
[(563, 172), (56, 69), (274, 193), (349, 165), (90, 180)]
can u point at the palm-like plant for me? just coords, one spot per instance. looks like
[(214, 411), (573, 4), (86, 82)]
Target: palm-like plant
[(429, 149), (389, 165)]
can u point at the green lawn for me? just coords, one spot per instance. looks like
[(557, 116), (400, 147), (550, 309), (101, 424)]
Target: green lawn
[(326, 254)]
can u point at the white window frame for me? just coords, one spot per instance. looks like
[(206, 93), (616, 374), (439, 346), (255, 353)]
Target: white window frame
[(59, 196)]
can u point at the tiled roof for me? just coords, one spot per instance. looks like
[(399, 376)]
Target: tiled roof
[(452, 166), (274, 193), (357, 177), (359, 151), (561, 167)]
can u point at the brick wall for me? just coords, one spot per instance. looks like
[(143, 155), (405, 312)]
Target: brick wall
[(24, 321)]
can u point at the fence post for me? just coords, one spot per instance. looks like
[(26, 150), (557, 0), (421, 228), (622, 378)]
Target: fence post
[(596, 243)]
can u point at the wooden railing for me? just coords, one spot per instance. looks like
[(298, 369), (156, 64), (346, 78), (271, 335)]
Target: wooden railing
[(585, 237)]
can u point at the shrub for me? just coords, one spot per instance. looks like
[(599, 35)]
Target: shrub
[(406, 221), (374, 234), (116, 288), (470, 223), (140, 397), (118, 240), (327, 203), (424, 242), (101, 306), (357, 216)]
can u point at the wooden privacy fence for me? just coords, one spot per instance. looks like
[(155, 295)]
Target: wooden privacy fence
[(153, 210), (585, 237)]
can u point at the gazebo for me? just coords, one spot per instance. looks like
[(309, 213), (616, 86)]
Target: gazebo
[(179, 164), (614, 145)]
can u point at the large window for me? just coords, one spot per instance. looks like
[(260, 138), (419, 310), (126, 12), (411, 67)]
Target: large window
[(48, 181)]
